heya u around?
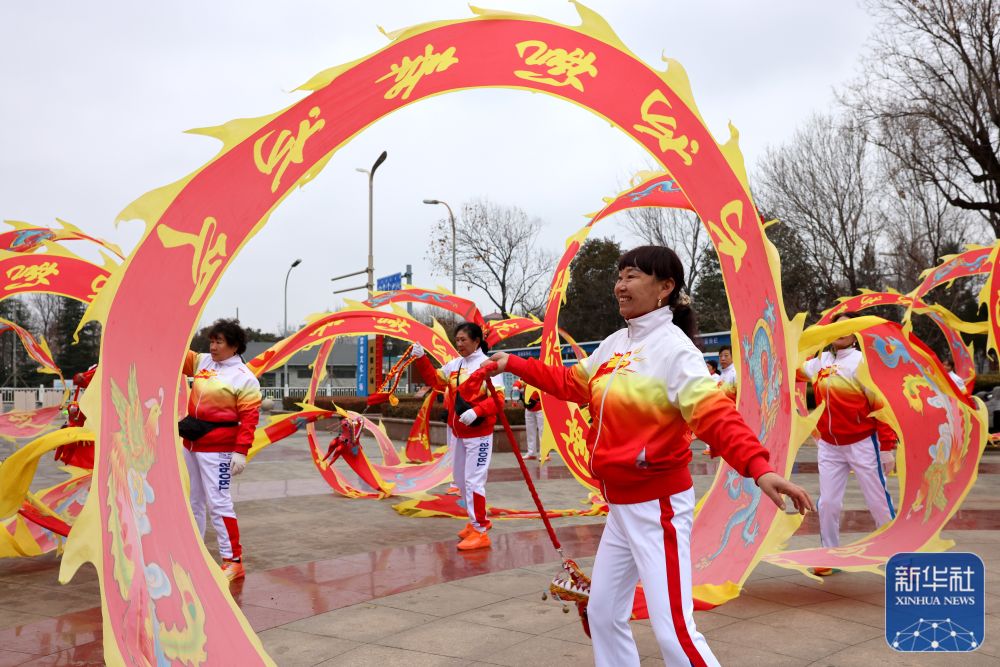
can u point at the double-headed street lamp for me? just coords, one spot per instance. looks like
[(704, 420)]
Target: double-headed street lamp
[(451, 217), (370, 270), (285, 331)]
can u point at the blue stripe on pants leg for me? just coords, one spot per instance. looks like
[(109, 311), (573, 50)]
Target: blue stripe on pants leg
[(881, 477)]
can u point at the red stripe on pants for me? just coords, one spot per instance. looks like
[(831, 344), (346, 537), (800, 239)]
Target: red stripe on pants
[(233, 528), (479, 509), (674, 584)]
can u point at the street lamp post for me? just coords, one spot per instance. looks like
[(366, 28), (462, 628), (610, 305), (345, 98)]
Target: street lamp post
[(285, 331), (371, 253), (451, 217)]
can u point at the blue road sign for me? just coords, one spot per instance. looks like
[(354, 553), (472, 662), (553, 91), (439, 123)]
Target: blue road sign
[(362, 366), (389, 283)]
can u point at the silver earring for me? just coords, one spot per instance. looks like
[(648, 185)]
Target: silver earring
[(659, 303)]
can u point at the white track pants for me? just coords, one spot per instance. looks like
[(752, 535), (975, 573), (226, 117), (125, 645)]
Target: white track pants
[(457, 462), (835, 464), (210, 495), (534, 422), (472, 463), (648, 542)]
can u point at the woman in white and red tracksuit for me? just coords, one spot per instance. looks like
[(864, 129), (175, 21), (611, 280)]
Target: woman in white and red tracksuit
[(850, 439), (646, 386), (226, 395), (471, 429)]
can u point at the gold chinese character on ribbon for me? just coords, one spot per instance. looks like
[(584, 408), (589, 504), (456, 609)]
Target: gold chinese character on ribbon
[(95, 286), (408, 72), (727, 240), (209, 252), (502, 328), (871, 300), (391, 325), (321, 332), (440, 351), (30, 275), (663, 128), (287, 147), (564, 68)]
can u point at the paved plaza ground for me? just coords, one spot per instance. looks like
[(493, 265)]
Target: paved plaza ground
[(333, 581)]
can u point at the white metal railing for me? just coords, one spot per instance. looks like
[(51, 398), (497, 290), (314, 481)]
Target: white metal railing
[(29, 398), (299, 392)]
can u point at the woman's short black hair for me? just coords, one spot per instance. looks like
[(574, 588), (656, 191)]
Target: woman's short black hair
[(475, 332), (714, 365), (662, 263), (231, 332)]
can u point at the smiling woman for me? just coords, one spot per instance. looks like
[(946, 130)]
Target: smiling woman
[(648, 278), (647, 385)]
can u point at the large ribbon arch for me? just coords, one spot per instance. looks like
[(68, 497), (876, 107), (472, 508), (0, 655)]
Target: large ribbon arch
[(162, 597)]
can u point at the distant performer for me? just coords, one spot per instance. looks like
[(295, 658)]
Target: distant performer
[(534, 420), (470, 426), (516, 390), (727, 372), (850, 439), (223, 412), (949, 365)]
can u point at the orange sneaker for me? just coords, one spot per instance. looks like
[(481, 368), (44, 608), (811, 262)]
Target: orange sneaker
[(822, 571), (233, 569), (465, 532), (452, 491), (475, 541)]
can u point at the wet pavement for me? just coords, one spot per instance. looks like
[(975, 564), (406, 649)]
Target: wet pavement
[(335, 581)]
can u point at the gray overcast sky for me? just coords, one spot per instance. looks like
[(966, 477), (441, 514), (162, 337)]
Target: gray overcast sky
[(96, 95)]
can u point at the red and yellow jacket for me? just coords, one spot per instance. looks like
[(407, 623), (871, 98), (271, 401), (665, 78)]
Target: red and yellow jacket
[(223, 391), (847, 404), (646, 386), (447, 379)]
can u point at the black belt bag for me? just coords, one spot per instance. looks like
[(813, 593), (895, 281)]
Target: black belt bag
[(192, 428), (461, 405)]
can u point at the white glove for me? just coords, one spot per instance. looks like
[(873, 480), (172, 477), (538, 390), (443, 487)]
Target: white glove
[(888, 461), (417, 351), (237, 463), (468, 417)]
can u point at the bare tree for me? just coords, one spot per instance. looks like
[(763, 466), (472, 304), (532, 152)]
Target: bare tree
[(930, 86), (679, 230), (497, 252), (920, 224), (47, 309), (823, 183)]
